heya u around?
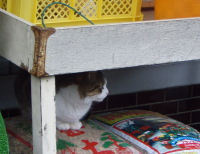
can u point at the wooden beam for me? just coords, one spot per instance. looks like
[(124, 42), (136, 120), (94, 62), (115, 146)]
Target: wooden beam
[(99, 47), (16, 40), (43, 115)]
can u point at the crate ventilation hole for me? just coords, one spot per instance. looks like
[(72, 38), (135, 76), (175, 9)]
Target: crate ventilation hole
[(49, 5)]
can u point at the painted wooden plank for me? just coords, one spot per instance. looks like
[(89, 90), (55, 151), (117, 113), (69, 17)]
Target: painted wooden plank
[(98, 47), (43, 115), (16, 40), (90, 48)]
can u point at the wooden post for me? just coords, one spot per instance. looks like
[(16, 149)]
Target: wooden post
[(43, 115)]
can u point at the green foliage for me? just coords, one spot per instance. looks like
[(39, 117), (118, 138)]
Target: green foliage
[(107, 144), (94, 125), (116, 138), (106, 133), (124, 144), (62, 144), (104, 138)]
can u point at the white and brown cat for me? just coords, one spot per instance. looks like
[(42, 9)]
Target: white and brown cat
[(74, 101), (75, 94)]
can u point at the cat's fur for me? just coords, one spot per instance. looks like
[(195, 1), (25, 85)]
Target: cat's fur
[(74, 96)]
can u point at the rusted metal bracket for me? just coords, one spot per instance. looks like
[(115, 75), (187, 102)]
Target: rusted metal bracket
[(41, 37)]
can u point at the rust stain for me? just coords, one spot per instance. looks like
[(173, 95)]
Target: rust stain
[(41, 37)]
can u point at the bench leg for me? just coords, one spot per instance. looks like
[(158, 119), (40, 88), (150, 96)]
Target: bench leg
[(43, 115)]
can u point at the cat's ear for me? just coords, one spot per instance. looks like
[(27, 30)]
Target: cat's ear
[(90, 75), (81, 76), (93, 75)]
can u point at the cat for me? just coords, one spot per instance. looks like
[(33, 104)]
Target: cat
[(75, 94), (75, 100)]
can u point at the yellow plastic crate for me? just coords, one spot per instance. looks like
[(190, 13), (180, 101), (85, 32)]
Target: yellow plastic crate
[(98, 11)]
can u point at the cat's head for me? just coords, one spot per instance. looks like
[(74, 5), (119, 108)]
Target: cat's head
[(92, 85)]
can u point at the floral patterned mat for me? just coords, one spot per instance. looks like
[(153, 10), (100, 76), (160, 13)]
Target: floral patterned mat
[(90, 139)]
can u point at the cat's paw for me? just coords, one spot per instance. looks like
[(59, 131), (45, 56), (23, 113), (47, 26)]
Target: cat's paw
[(76, 125), (63, 126)]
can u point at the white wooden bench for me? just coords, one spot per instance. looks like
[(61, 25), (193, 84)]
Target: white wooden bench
[(45, 53)]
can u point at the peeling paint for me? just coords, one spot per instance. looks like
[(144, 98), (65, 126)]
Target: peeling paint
[(23, 66), (41, 37)]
